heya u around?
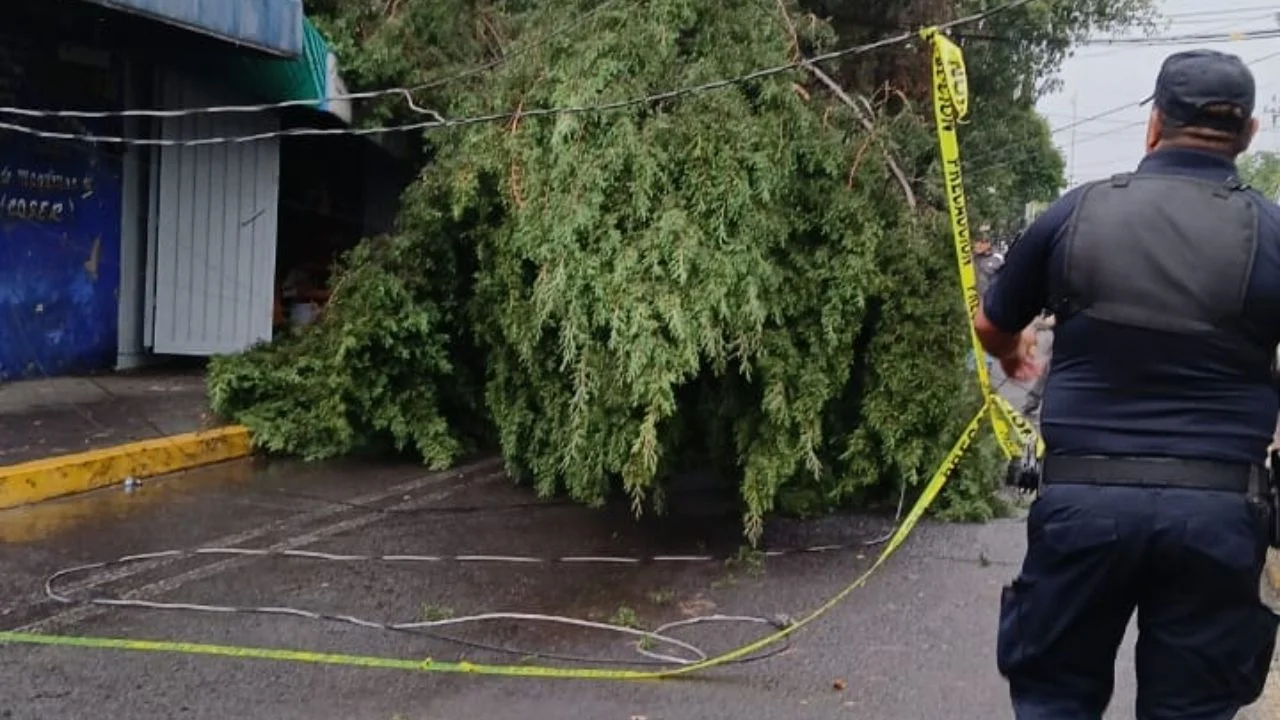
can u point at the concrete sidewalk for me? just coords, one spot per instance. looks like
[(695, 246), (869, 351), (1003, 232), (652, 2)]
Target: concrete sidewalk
[(68, 435), (59, 416)]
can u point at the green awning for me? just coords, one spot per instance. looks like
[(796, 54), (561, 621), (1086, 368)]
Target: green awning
[(303, 78)]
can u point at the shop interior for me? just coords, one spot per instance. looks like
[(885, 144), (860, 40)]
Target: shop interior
[(334, 191)]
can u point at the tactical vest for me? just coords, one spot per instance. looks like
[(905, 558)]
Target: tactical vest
[(1164, 253)]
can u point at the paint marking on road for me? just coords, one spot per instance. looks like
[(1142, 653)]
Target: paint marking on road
[(169, 584), (284, 525)]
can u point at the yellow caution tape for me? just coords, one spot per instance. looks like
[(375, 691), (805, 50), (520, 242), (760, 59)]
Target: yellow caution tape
[(528, 670), (950, 107), (1020, 425)]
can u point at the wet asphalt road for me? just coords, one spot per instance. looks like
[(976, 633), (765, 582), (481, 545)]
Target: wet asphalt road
[(916, 642)]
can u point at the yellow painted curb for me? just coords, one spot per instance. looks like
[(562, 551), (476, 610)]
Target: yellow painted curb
[(53, 477)]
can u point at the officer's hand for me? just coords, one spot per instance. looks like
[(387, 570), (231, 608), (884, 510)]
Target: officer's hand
[(1021, 369), (1022, 365)]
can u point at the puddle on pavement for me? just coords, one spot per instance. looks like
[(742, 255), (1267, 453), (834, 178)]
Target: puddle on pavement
[(116, 504)]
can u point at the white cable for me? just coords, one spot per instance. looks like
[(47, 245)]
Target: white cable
[(154, 142), (654, 636), (405, 92), (441, 122), (658, 636), (1189, 38), (218, 109), (663, 629), (1222, 11)]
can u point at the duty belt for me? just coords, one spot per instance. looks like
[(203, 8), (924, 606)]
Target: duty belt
[(1154, 472)]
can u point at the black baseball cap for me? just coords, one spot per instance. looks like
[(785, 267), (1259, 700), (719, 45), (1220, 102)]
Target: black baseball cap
[(1194, 80)]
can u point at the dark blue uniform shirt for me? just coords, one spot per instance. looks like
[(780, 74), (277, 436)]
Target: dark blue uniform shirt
[(1115, 390)]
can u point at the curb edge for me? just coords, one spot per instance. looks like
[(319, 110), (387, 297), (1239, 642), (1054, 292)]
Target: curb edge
[(48, 478)]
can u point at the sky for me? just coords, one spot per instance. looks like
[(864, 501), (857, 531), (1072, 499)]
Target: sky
[(1113, 79)]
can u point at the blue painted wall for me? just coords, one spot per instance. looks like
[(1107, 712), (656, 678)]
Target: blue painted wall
[(272, 25), (60, 212), (59, 258)]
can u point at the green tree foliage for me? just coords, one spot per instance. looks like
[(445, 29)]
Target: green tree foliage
[(1261, 170), (390, 366), (1011, 58), (728, 279), (1010, 156)]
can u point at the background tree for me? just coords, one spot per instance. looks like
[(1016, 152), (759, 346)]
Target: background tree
[(1261, 170), (1012, 59)]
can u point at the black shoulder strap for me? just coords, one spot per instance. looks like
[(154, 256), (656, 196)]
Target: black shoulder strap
[(1228, 187)]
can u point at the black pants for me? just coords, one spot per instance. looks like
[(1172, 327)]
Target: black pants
[(1188, 561)]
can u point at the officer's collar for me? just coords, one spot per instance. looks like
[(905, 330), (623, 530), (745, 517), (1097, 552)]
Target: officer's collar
[(1184, 159)]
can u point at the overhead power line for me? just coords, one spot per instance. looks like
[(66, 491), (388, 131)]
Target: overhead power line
[(1228, 21), (1149, 40), (437, 120), (1225, 11), (405, 92), (1108, 113), (1187, 39), (1017, 152)]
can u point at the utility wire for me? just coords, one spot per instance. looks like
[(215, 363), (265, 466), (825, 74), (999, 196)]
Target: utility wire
[(405, 92), (438, 121), (1020, 150), (1225, 11), (1187, 39), (1147, 41), (427, 628), (1227, 21)]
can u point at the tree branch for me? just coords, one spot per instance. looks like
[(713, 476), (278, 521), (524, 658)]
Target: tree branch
[(791, 28), (864, 117)]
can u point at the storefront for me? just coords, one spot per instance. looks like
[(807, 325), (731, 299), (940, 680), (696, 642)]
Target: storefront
[(112, 254)]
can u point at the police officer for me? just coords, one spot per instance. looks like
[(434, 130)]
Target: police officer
[(1157, 414), (987, 263)]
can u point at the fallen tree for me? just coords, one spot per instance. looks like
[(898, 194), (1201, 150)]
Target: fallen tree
[(732, 278)]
